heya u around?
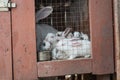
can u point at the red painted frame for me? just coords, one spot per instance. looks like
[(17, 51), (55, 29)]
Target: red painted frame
[(102, 61), (59, 68), (24, 51), (5, 47), (24, 41), (101, 24)]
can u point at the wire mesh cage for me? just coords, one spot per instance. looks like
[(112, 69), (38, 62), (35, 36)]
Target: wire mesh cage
[(62, 28)]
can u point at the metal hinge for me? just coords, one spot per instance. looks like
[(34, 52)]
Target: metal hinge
[(6, 4)]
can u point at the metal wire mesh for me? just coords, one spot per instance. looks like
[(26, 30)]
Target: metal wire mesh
[(67, 13)]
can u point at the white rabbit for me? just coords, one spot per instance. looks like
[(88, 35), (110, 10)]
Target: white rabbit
[(43, 29), (74, 47), (59, 35), (59, 55), (76, 34), (50, 37), (45, 45), (81, 35), (84, 36), (70, 35)]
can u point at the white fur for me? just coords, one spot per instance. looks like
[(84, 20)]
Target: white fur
[(59, 35), (70, 35), (84, 36), (74, 47), (76, 34), (57, 54), (50, 37), (46, 46)]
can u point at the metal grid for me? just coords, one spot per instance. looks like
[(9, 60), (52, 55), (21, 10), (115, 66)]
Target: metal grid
[(67, 14)]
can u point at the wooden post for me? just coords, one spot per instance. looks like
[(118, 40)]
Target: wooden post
[(117, 36), (24, 40), (5, 47), (101, 27)]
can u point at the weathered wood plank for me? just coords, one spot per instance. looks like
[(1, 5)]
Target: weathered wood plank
[(101, 25), (5, 47), (116, 4), (24, 41), (59, 68)]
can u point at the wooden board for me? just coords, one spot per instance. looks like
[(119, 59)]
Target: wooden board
[(5, 47), (117, 36), (24, 41), (59, 68), (101, 24)]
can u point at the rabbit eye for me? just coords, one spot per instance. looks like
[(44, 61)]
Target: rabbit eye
[(82, 38), (58, 35), (43, 44)]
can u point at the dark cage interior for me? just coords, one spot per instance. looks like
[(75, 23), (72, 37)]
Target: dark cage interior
[(72, 14), (67, 13)]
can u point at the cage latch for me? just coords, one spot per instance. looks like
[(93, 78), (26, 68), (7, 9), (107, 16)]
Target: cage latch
[(5, 5)]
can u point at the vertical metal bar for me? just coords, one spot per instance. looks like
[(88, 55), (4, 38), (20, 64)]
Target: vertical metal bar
[(65, 14)]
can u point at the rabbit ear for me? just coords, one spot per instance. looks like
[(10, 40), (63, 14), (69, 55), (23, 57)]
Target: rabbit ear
[(43, 13)]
